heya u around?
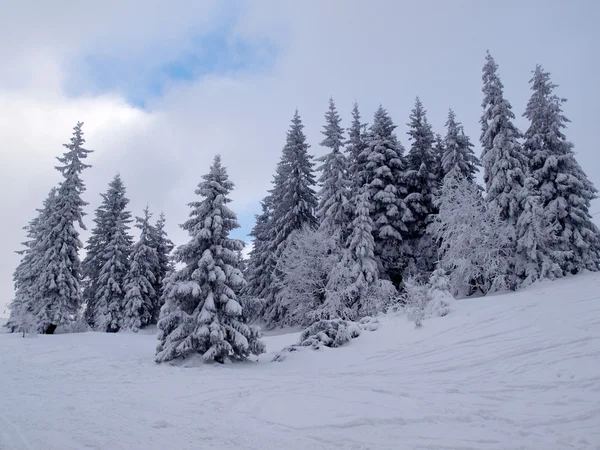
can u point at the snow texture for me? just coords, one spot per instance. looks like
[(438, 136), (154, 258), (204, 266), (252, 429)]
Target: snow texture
[(504, 372)]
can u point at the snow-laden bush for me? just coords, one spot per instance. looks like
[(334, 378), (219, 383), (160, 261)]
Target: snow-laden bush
[(329, 333), (475, 244), (424, 300), (303, 270)]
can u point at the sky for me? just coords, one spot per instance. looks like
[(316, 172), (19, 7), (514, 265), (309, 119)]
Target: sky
[(164, 86)]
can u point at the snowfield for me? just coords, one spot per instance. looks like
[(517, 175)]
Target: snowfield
[(513, 371)]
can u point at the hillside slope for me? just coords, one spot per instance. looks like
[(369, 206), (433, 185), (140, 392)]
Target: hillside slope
[(513, 371)]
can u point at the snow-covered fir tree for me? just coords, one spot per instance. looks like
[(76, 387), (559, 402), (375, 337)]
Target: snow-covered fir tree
[(332, 211), (58, 278), (23, 306), (422, 187), (351, 279), (93, 262), (110, 293), (382, 174), (201, 314), (533, 256), (564, 190), (160, 241), (475, 244), (503, 160), (438, 150), (355, 145), (294, 203), (259, 266), (458, 153), (140, 283)]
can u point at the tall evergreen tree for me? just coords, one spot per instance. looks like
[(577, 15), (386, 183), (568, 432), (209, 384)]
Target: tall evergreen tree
[(93, 262), (504, 162), (293, 201), (533, 255), (201, 314), (139, 286), (110, 295), (259, 267), (22, 307), (458, 153), (355, 145), (565, 191), (382, 175), (360, 255), (160, 241), (58, 280), (332, 212), (438, 150), (422, 185)]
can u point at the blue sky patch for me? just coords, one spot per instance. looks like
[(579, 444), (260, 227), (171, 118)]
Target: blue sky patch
[(140, 80)]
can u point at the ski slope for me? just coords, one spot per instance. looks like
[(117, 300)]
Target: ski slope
[(513, 371)]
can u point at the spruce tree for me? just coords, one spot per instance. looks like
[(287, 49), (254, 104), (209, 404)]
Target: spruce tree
[(533, 255), (160, 241), (355, 145), (438, 150), (58, 280), (201, 314), (94, 261), (110, 294), (22, 307), (422, 186), (382, 175), (332, 211), (294, 203), (563, 188), (504, 162), (458, 153), (139, 286), (357, 271), (259, 267)]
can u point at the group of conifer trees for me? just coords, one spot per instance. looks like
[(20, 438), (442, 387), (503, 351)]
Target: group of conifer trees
[(381, 215), (117, 286), (384, 214)]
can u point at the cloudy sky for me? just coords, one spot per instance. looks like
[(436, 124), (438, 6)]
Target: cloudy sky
[(163, 86)]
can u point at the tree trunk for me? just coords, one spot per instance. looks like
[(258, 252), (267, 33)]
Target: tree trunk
[(51, 328)]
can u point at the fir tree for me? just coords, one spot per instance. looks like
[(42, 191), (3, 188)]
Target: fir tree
[(22, 307), (293, 201), (458, 154), (201, 314), (332, 211), (438, 150), (110, 294), (564, 190), (382, 175), (140, 293), (352, 278), (58, 280), (503, 160), (355, 145), (533, 257), (259, 266), (422, 185), (163, 247)]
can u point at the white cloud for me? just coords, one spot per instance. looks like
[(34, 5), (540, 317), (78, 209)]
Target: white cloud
[(382, 51)]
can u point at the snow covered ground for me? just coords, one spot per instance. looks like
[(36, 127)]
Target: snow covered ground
[(515, 371)]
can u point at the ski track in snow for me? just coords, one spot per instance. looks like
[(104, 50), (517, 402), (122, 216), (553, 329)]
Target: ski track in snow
[(515, 371)]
